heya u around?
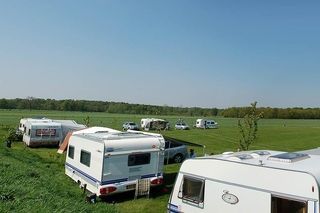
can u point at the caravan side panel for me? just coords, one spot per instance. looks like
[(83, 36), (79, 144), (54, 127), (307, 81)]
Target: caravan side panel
[(220, 197), (84, 162), (235, 187)]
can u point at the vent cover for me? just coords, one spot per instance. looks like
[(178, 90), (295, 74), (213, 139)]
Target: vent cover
[(240, 157), (261, 153), (289, 157)]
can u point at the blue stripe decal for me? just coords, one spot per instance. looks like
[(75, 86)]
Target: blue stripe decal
[(82, 173), (151, 175), (114, 181), (147, 176), (173, 208), (108, 181)]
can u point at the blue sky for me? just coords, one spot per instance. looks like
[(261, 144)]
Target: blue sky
[(177, 53)]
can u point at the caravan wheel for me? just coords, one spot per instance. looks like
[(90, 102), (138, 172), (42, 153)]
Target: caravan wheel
[(178, 158)]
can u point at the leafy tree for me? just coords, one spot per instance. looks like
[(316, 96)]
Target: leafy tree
[(248, 127), (87, 121)]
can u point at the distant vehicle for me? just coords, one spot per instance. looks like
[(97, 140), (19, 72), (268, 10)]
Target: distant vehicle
[(130, 126), (175, 152), (154, 124), (261, 181), (206, 124), (181, 126)]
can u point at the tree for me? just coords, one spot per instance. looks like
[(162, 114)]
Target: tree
[(87, 121), (30, 100), (248, 127)]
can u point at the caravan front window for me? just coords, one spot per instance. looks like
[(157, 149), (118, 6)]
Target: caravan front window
[(139, 159), (192, 189), (85, 158)]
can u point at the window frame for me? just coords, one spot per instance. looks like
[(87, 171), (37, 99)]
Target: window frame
[(81, 157), (71, 147), (275, 199), (139, 163), (201, 194)]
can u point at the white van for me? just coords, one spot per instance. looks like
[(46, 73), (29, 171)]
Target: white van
[(248, 182), (206, 124), (111, 162)]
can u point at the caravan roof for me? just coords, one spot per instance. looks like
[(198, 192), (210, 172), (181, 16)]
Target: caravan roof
[(124, 141), (95, 129), (42, 122), (118, 135), (301, 162), (67, 122)]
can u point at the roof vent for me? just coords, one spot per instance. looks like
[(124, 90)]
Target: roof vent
[(258, 154), (289, 157), (241, 157), (227, 153)]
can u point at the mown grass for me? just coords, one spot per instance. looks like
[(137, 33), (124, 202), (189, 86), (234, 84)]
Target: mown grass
[(33, 180)]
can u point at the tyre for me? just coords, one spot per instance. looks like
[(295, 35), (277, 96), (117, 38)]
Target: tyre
[(178, 158)]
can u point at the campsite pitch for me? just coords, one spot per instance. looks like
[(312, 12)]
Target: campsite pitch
[(33, 180)]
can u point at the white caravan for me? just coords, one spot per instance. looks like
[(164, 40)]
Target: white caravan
[(248, 182), (154, 124), (206, 124), (23, 122), (111, 162), (42, 132), (69, 125)]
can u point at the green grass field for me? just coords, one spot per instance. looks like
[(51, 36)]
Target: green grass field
[(33, 180)]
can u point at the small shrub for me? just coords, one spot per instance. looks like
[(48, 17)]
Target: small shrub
[(6, 197), (34, 174)]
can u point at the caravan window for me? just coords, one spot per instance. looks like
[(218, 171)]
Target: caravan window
[(283, 205), (85, 158), (192, 189), (71, 152), (45, 132), (139, 159)]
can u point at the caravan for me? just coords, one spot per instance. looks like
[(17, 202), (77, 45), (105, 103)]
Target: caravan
[(23, 121), (250, 182), (42, 132), (69, 126), (154, 124), (206, 124), (110, 162)]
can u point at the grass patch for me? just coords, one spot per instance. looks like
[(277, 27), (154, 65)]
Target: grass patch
[(33, 180)]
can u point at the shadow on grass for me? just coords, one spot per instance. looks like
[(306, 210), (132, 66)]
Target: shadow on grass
[(182, 141), (155, 192)]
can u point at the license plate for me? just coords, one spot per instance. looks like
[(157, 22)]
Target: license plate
[(131, 186)]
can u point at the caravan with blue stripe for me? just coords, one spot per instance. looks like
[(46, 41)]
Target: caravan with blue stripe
[(111, 161)]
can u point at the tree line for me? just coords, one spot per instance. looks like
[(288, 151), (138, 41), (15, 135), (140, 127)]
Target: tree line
[(268, 112), (103, 106), (31, 103)]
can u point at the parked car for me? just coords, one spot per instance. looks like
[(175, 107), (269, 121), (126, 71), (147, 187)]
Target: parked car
[(182, 126), (130, 125), (175, 152)]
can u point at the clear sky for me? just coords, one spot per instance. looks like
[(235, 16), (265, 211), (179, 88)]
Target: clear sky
[(169, 52)]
